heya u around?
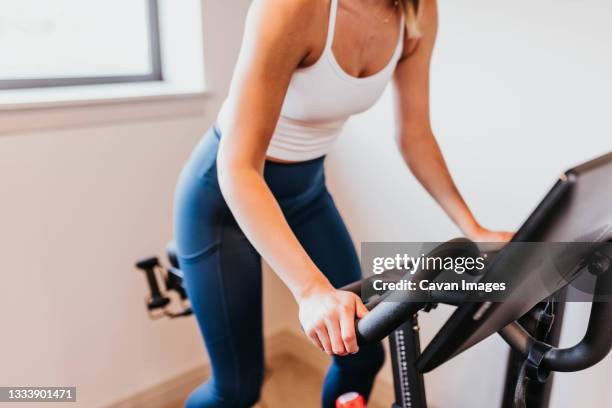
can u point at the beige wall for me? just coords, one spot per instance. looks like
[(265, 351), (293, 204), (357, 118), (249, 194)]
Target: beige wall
[(78, 206), (516, 99)]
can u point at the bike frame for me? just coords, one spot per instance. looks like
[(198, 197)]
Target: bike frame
[(409, 384)]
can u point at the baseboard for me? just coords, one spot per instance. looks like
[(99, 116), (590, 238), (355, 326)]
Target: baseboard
[(171, 393), (168, 394)]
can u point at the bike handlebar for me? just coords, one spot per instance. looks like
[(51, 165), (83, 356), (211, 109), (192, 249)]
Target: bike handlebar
[(388, 315), (393, 309), (594, 346)]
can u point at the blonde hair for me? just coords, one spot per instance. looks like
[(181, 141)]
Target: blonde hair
[(411, 11)]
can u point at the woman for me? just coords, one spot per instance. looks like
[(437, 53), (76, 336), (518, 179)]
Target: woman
[(255, 185)]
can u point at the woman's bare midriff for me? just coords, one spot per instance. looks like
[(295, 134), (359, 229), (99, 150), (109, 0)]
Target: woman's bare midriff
[(281, 161)]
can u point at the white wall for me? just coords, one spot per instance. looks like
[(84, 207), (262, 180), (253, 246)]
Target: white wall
[(78, 205), (520, 92)]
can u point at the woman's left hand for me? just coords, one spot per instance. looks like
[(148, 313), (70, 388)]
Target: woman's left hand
[(481, 234)]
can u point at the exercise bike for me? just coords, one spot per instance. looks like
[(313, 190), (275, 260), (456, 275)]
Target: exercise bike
[(576, 213)]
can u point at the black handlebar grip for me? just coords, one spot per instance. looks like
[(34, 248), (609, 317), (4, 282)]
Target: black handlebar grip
[(399, 306), (148, 265), (383, 319)]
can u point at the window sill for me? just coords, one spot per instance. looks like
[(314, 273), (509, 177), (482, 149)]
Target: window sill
[(36, 109), (183, 92), (40, 98)]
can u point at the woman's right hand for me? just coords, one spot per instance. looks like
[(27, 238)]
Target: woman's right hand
[(328, 317)]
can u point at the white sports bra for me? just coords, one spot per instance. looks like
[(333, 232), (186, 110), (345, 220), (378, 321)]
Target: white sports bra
[(319, 101)]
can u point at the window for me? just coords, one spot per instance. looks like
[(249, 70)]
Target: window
[(74, 42), (73, 62)]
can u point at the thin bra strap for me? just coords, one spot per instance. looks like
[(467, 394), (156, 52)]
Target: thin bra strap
[(333, 12), (402, 27)]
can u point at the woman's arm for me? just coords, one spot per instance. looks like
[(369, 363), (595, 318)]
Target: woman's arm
[(416, 140), (277, 39)]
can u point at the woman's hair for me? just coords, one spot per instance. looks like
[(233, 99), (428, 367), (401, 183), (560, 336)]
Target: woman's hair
[(411, 10)]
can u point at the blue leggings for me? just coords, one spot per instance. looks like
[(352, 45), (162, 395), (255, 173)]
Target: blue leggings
[(223, 275)]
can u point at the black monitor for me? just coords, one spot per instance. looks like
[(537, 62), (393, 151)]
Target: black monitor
[(577, 209)]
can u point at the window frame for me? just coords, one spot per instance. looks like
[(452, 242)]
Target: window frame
[(155, 54)]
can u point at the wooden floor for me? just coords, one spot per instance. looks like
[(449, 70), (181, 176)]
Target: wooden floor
[(288, 383), (292, 383), (294, 378)]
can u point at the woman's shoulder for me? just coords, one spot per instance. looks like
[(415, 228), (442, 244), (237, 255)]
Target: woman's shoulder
[(300, 13), (298, 22), (427, 23), (293, 8)]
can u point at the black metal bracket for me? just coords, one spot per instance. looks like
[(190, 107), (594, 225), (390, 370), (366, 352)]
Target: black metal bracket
[(533, 368), (159, 301)]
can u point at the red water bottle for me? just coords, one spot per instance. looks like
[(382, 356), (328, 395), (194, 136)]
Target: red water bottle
[(350, 400)]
